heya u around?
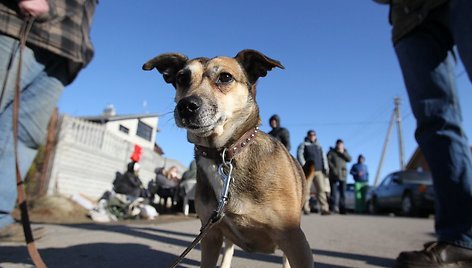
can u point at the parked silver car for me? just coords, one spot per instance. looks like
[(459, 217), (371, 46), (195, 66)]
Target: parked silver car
[(408, 193)]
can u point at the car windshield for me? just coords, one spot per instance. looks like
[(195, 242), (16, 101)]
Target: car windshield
[(414, 176)]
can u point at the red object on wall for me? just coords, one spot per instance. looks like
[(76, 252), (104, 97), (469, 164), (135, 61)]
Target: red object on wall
[(136, 156)]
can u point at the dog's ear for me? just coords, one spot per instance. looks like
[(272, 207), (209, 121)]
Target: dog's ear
[(167, 64), (256, 64)]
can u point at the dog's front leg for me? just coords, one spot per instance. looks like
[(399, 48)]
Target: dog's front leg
[(296, 249), (211, 247), (227, 254)]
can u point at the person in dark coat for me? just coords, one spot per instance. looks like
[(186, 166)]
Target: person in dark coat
[(129, 183), (279, 132), (337, 159)]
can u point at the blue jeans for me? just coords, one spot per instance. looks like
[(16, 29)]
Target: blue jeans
[(338, 194), (427, 63), (41, 87)]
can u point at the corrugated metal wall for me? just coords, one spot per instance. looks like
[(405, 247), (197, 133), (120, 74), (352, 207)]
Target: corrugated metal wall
[(87, 158)]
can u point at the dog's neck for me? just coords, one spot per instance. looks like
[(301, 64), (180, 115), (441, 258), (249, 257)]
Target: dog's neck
[(238, 138), (230, 151)]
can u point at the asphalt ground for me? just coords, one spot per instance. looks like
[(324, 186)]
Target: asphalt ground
[(336, 241)]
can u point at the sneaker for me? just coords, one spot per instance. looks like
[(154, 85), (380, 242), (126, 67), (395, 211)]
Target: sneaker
[(14, 233), (435, 255)]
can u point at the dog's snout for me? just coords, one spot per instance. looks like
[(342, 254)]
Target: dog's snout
[(189, 106)]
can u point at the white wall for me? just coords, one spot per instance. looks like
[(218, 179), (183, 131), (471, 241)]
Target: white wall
[(87, 156)]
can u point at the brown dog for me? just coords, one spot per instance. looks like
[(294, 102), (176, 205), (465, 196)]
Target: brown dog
[(216, 104)]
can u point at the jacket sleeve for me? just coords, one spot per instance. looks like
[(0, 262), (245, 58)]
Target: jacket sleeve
[(346, 156), (353, 171), (331, 165), (300, 156), (325, 162), (286, 139)]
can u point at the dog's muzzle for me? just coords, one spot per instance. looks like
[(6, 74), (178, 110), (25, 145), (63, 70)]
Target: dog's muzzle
[(189, 107), (195, 114)]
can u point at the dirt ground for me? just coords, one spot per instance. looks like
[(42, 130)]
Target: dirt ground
[(62, 210)]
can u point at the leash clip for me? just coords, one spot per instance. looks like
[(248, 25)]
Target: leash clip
[(226, 176)]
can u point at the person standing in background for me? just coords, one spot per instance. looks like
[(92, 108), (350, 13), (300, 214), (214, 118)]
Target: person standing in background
[(279, 132), (360, 173), (337, 159), (311, 158)]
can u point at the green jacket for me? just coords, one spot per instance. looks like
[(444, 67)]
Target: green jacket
[(406, 15)]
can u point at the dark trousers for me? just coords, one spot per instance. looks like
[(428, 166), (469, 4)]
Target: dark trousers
[(338, 196)]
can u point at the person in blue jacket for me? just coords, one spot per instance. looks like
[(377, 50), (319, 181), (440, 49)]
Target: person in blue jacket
[(360, 173)]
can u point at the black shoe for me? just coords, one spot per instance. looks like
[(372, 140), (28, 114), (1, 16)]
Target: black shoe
[(325, 213), (435, 255)]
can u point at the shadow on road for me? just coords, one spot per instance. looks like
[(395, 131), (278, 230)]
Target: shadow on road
[(371, 260), (139, 255), (95, 255)]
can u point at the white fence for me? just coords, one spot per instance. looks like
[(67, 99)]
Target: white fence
[(87, 158)]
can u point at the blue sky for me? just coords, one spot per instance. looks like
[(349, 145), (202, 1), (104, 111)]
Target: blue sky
[(340, 79)]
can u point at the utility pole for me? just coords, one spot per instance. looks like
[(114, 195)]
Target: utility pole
[(394, 118), (400, 132)]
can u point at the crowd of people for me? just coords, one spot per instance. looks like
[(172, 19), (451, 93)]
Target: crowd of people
[(326, 172), (168, 184)]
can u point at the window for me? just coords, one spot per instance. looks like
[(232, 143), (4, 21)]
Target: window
[(124, 129), (144, 131)]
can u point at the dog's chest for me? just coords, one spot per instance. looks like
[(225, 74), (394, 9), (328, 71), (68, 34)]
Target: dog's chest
[(210, 170)]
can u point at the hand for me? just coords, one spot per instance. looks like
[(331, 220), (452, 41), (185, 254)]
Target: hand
[(35, 8)]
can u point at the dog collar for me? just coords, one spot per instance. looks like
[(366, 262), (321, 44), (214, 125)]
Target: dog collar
[(228, 152)]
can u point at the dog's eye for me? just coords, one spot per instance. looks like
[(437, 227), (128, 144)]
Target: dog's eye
[(183, 78), (224, 78)]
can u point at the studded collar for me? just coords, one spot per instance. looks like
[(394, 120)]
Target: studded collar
[(229, 151)]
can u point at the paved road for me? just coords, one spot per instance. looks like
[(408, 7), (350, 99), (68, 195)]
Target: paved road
[(336, 241)]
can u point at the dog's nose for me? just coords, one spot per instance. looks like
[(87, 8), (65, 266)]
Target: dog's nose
[(188, 106)]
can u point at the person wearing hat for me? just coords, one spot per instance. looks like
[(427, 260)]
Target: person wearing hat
[(279, 132), (311, 157), (360, 173), (337, 159)]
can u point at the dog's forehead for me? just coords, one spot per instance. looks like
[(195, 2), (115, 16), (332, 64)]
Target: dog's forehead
[(214, 65)]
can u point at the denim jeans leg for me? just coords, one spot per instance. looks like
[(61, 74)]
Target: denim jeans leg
[(342, 196), (333, 195), (40, 91), (428, 71)]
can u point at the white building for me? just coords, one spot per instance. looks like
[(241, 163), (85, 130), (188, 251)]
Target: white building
[(138, 129)]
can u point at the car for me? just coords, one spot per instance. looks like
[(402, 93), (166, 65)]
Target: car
[(408, 193)]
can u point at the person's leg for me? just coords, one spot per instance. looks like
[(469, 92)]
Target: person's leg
[(309, 182), (363, 195), (357, 196), (40, 91), (342, 197), (333, 195), (318, 181), (428, 69)]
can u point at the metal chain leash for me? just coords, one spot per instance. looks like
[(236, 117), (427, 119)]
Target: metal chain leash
[(225, 170)]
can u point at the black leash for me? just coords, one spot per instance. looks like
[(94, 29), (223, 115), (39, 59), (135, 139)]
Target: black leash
[(31, 246)]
